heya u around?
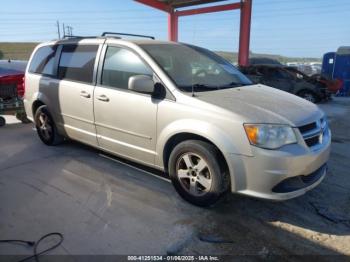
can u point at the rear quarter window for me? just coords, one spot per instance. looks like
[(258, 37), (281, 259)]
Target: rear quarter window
[(43, 61)]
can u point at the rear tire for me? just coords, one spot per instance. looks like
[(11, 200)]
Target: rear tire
[(194, 169), (2, 121), (46, 127)]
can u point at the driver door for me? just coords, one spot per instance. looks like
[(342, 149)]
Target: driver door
[(125, 120)]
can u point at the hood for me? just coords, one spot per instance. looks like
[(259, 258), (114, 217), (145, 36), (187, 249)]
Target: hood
[(263, 104)]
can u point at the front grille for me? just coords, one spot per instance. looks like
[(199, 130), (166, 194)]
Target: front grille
[(312, 141), (307, 127), (314, 132)]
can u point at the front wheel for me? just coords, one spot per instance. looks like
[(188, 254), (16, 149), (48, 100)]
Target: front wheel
[(194, 168), (46, 127), (309, 96)]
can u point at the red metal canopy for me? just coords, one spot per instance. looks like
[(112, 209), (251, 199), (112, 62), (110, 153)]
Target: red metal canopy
[(171, 7)]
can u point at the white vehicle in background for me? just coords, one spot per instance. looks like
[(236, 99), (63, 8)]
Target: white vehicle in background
[(316, 68), (293, 64)]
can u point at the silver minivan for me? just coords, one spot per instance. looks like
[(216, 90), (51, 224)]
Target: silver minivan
[(181, 109)]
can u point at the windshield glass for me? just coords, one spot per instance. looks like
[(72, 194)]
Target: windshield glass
[(194, 67)]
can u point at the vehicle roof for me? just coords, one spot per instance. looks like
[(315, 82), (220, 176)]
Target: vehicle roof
[(101, 39)]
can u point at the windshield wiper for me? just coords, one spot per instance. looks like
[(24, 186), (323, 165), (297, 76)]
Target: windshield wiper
[(232, 84), (198, 87)]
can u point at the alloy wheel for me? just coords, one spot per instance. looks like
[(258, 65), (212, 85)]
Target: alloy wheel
[(194, 174), (45, 126)]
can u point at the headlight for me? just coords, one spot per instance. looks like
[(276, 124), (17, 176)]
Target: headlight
[(270, 136)]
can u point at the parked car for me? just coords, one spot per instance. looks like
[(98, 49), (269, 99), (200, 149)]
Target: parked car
[(288, 79), (12, 90), (333, 85), (213, 132)]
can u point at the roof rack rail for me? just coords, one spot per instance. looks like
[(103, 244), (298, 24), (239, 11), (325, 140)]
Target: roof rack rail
[(77, 36), (113, 33)]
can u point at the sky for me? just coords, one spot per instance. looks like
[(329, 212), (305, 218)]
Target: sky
[(297, 28)]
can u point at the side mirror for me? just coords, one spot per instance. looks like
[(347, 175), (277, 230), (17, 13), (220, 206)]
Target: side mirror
[(141, 84)]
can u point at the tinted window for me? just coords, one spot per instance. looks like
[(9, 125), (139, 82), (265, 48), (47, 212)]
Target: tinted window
[(77, 62), (121, 64), (43, 61)]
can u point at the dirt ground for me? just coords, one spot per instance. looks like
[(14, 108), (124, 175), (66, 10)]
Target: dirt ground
[(104, 206)]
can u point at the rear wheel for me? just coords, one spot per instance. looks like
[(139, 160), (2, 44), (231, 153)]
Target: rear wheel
[(46, 127), (194, 168), (308, 95), (2, 121)]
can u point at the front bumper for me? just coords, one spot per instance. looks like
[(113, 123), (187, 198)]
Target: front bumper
[(280, 174)]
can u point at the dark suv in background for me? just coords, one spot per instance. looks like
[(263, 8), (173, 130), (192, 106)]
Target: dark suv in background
[(287, 79)]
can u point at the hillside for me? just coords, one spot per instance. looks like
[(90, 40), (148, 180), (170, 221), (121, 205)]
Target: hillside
[(22, 51), (16, 51)]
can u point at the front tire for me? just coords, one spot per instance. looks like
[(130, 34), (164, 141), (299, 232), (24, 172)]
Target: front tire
[(194, 169), (309, 96), (46, 127)]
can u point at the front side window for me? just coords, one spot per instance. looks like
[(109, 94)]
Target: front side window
[(120, 64), (195, 68), (43, 61), (77, 62)]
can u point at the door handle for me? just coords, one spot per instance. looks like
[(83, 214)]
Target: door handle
[(85, 94), (103, 98)]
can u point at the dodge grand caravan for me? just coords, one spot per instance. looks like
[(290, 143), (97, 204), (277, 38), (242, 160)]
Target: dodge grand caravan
[(181, 109)]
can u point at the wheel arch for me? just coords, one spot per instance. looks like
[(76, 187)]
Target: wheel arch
[(36, 104), (184, 136), (231, 150), (302, 90)]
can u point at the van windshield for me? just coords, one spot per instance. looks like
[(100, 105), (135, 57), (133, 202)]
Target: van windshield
[(196, 68)]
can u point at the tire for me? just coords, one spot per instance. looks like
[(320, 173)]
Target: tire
[(46, 127), (23, 118), (200, 183), (309, 96), (2, 121)]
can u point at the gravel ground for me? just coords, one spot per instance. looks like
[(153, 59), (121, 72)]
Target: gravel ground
[(104, 206)]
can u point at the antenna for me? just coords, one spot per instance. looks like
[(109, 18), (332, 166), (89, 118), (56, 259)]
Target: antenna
[(58, 29)]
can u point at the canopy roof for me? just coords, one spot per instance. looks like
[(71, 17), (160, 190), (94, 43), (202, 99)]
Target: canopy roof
[(185, 3)]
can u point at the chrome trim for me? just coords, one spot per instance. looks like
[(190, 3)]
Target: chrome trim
[(312, 133), (321, 131)]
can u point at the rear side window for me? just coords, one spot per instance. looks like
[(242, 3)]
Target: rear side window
[(43, 61), (121, 64), (77, 62)]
